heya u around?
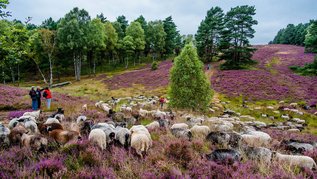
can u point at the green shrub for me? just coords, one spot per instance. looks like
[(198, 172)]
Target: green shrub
[(154, 66)]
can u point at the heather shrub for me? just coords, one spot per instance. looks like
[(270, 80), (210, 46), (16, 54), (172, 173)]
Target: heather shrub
[(180, 152), (154, 65), (50, 167), (99, 172)]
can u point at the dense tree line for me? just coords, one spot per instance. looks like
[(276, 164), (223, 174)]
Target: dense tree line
[(292, 34), (77, 43), (226, 36)]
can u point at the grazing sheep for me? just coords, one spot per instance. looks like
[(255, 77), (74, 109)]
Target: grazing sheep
[(224, 156), (153, 125), (118, 117), (31, 126), (200, 131), (260, 154), (4, 135), (44, 128), (294, 160), (140, 142), (191, 121), (35, 142), (27, 118), (219, 138), (126, 109), (182, 133), (35, 114), (256, 138), (140, 129), (108, 129), (159, 114), (143, 113), (60, 117), (64, 136), (85, 127), (105, 107), (81, 119), (98, 136), (84, 107), (180, 126), (16, 134), (52, 120), (294, 105), (13, 122), (123, 136), (297, 147)]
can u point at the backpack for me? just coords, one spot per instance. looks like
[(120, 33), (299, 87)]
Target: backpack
[(45, 94)]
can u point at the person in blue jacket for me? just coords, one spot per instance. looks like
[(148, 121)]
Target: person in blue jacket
[(33, 96)]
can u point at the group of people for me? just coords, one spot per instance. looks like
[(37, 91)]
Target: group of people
[(36, 96)]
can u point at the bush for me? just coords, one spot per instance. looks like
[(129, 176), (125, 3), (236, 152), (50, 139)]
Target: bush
[(189, 87), (308, 69), (154, 66)]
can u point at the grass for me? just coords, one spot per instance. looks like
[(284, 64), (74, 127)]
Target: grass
[(270, 65)]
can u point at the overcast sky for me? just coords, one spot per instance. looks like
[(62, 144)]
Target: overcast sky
[(272, 15)]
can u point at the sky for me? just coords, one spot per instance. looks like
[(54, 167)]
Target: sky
[(272, 15)]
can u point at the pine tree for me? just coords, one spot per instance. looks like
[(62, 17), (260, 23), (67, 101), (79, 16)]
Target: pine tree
[(209, 34), (171, 35), (189, 87)]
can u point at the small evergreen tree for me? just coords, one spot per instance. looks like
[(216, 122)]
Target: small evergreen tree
[(189, 87), (311, 38)]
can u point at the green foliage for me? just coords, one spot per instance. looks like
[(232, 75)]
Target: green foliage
[(3, 5), (311, 38), (171, 35), (209, 34), (235, 41), (155, 37), (308, 69), (189, 87), (49, 24), (294, 35), (154, 65), (123, 23), (137, 33)]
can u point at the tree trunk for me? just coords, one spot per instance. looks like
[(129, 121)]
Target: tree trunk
[(75, 65), (18, 74), (51, 70), (94, 66), (44, 79), (12, 75), (3, 76)]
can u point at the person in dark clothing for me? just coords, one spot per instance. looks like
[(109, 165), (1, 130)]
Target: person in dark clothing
[(34, 98), (38, 97)]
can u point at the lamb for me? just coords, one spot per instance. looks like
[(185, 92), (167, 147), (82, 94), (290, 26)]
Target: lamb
[(81, 119), (52, 120), (84, 107), (294, 160), (35, 142), (200, 131), (35, 114), (64, 136), (98, 136), (224, 156), (123, 136), (140, 142), (258, 154), (256, 138)]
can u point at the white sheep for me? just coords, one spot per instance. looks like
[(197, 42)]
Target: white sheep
[(140, 129), (200, 131), (27, 118), (31, 126), (81, 119), (52, 120), (98, 136), (4, 134), (140, 142), (182, 133), (256, 138), (108, 129), (123, 136), (180, 126), (98, 104), (153, 125), (105, 107), (13, 122), (35, 114), (60, 117), (294, 160)]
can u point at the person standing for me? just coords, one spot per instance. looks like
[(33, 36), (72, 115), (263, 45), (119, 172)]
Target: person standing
[(32, 94), (162, 101), (48, 96), (38, 97)]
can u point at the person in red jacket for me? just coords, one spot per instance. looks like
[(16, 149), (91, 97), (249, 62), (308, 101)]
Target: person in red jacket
[(162, 101), (48, 96)]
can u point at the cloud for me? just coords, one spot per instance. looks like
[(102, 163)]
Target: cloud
[(187, 14)]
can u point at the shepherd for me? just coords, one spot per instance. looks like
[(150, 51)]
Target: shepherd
[(48, 96), (33, 96), (162, 101)]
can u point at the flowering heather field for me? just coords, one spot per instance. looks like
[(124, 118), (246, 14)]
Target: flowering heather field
[(146, 77), (273, 80)]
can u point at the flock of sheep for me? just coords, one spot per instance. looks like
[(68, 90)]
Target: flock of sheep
[(235, 139)]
